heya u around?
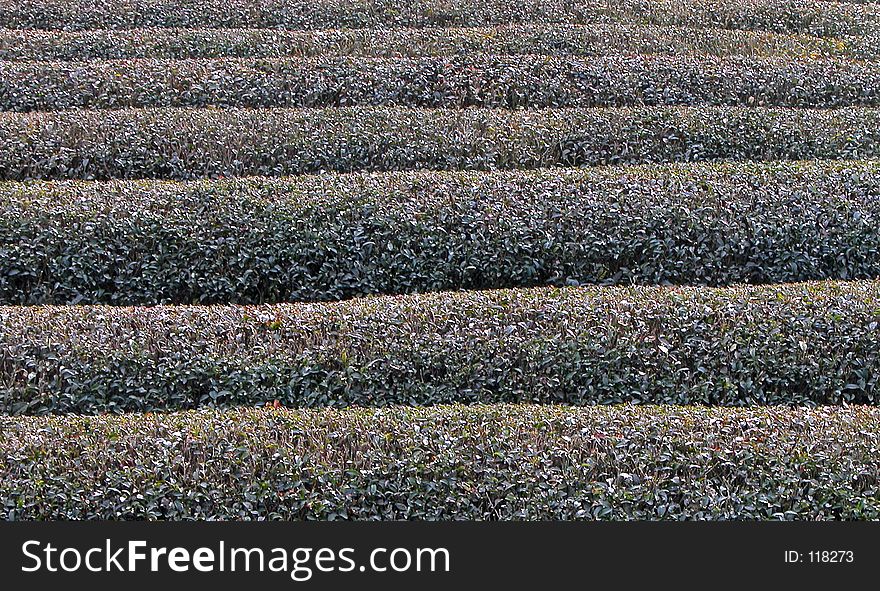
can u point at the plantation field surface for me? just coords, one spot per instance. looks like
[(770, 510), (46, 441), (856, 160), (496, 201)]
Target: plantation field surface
[(522, 81), (190, 143), (267, 240), (813, 343), (526, 38), (490, 260), (454, 462), (816, 17)]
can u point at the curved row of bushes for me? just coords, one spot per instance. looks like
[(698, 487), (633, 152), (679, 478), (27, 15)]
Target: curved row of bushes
[(499, 462), (808, 16), (530, 38), (806, 343), (523, 81), (190, 143), (336, 236)]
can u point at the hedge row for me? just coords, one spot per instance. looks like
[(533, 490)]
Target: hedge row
[(807, 16), (805, 343), (189, 143), (337, 236), (523, 81), (600, 39), (489, 462)]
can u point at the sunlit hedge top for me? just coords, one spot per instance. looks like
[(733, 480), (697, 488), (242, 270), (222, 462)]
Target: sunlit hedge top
[(189, 143), (498, 462), (528, 38), (810, 16), (813, 343), (332, 236), (524, 81)]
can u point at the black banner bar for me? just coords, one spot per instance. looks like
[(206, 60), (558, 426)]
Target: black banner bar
[(434, 555)]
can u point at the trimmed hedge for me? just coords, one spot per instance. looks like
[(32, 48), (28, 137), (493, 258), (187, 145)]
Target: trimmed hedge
[(336, 236), (487, 81), (190, 143), (809, 343), (500, 462), (599, 39), (807, 16)]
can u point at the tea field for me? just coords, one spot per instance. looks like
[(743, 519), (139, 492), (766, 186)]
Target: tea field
[(357, 259)]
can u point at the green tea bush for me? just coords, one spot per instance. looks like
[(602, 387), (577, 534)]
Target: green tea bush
[(523, 81), (807, 343), (190, 143), (806, 16), (528, 38), (500, 462), (324, 237)]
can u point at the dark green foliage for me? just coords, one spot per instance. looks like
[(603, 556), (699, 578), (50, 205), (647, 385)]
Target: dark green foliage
[(529, 38), (809, 343), (501, 462), (464, 81), (337, 236), (806, 16), (443, 112), (188, 143)]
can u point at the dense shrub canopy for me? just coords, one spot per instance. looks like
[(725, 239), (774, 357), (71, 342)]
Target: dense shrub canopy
[(809, 343), (500, 462), (328, 237), (190, 143), (815, 17), (241, 243), (513, 82), (606, 39)]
